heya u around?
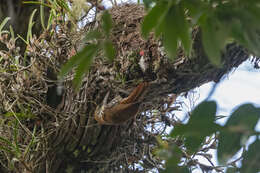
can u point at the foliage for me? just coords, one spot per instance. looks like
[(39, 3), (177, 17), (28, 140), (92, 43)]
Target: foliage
[(221, 22), (84, 58), (200, 125), (231, 138)]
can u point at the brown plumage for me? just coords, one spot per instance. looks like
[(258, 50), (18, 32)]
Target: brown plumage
[(123, 111)]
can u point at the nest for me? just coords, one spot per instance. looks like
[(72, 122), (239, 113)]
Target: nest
[(65, 132)]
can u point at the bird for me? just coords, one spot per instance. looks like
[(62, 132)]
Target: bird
[(122, 111)]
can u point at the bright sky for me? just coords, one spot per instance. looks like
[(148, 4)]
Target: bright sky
[(238, 87)]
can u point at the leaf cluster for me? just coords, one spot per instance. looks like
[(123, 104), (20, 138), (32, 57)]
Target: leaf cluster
[(99, 40), (221, 22), (231, 137)]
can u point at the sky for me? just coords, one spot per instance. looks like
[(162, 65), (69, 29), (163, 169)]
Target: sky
[(238, 87)]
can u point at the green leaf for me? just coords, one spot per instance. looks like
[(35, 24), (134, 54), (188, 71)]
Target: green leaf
[(8, 142), (229, 144), (147, 3), (172, 162), (85, 64), (75, 60), (170, 37), (175, 29), (245, 117), (160, 28), (240, 125), (11, 32), (251, 158), (237, 32), (4, 23), (95, 34), (26, 42), (64, 5), (154, 18), (170, 43), (109, 49), (107, 22), (200, 125), (6, 149), (182, 28), (213, 39), (32, 142), (38, 3), (15, 138), (195, 9), (30, 25), (42, 15), (232, 170), (50, 19), (245, 26), (254, 11), (250, 29), (253, 40)]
